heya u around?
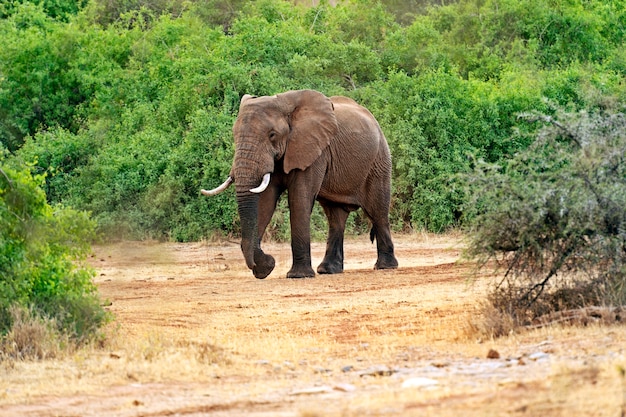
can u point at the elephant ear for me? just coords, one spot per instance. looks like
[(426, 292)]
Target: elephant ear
[(312, 122), (245, 98)]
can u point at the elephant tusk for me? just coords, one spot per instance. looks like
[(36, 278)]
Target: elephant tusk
[(219, 189), (264, 184)]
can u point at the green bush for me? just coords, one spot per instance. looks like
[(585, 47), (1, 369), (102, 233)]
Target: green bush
[(436, 123), (202, 160), (59, 155), (42, 252), (127, 106), (57, 9)]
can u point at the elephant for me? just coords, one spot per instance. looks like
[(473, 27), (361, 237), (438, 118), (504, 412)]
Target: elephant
[(316, 148)]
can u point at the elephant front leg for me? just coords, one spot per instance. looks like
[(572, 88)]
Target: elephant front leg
[(264, 264), (301, 267), (300, 219), (267, 204)]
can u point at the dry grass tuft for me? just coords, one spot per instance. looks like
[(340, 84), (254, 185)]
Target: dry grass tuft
[(502, 313), (31, 337), (490, 322), (205, 353)]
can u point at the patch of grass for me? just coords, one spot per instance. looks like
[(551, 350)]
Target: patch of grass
[(32, 337), (205, 353), (490, 322)]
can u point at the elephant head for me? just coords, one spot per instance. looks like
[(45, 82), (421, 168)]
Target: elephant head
[(292, 127)]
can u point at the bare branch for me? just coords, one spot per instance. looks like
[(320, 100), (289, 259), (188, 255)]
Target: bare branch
[(4, 174)]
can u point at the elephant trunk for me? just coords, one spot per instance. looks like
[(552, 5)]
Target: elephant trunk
[(247, 204), (248, 168), (246, 171)]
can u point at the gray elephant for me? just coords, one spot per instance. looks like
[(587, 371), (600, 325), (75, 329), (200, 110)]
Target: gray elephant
[(316, 148)]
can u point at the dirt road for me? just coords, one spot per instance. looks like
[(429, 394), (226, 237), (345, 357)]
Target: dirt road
[(196, 334)]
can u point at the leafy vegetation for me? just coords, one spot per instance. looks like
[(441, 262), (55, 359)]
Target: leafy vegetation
[(40, 252), (128, 106)]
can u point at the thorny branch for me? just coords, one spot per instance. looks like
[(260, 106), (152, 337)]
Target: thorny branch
[(540, 286)]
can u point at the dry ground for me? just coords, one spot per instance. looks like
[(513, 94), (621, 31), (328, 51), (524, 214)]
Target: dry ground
[(196, 334)]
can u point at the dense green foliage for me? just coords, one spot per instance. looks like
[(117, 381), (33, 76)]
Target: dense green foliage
[(40, 252), (554, 217), (128, 105)]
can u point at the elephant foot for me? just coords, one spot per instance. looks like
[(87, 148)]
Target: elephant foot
[(386, 262), (301, 272), (264, 266), (330, 268)]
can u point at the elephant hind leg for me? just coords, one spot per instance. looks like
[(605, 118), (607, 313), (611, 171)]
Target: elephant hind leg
[(375, 204), (384, 245), (333, 259), (381, 231)]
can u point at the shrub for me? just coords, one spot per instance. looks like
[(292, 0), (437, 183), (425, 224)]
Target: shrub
[(202, 160), (58, 154), (553, 217), (435, 123), (56, 9), (42, 249)]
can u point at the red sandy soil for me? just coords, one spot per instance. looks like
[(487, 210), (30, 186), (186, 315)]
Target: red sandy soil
[(196, 334)]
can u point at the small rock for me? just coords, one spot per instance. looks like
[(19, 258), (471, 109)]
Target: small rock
[(347, 368), (493, 354), (420, 382), (263, 362), (440, 364)]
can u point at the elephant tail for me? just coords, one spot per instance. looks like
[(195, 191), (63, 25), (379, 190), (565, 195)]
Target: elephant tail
[(373, 233)]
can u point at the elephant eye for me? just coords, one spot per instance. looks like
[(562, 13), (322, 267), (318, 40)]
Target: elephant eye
[(272, 135)]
